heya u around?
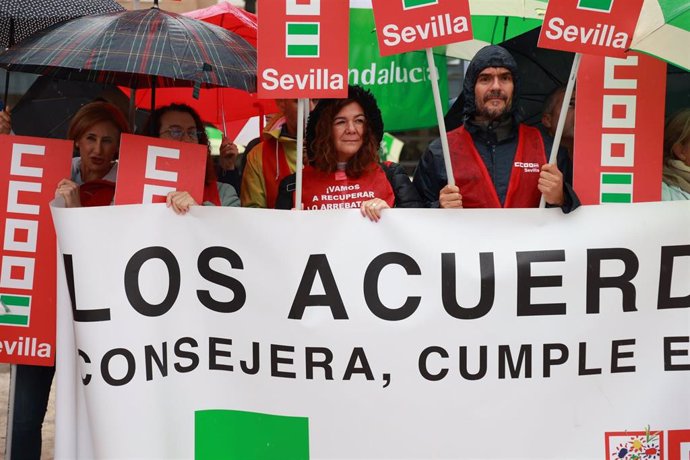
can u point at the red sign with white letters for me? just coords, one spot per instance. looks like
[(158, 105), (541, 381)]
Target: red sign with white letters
[(602, 27), (619, 129), (150, 168), (30, 169), (303, 48), (409, 25)]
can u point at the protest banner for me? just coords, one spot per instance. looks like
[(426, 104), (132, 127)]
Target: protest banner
[(619, 129), (401, 82), (429, 334), (30, 169), (302, 50), (600, 27), (410, 25), (150, 168)]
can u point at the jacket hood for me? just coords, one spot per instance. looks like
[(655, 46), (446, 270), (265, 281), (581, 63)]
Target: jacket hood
[(489, 56), (355, 94)]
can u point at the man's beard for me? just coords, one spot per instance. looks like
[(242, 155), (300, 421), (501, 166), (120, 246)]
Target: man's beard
[(489, 113)]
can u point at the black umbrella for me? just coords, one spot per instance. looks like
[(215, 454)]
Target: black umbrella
[(20, 19), (138, 49), (46, 109)]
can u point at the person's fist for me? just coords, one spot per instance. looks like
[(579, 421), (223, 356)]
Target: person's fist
[(450, 197)]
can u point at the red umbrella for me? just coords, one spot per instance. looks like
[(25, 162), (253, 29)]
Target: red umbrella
[(217, 105), (229, 17)]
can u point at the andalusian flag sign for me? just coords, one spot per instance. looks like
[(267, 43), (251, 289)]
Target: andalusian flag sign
[(302, 39), (14, 310), (616, 188), (603, 27), (302, 49)]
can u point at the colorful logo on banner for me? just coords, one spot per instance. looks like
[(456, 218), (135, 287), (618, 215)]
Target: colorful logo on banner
[(30, 169), (648, 445), (618, 131), (150, 168), (409, 25), (238, 435), (302, 49), (603, 27)]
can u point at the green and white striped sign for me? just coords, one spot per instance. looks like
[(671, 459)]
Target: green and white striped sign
[(408, 4), (616, 188), (302, 39), (603, 6), (14, 310)]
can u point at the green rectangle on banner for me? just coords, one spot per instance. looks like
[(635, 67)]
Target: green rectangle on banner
[(407, 4), (616, 198), (597, 5), (307, 28), (302, 50), (239, 435), (15, 300), (616, 178), (14, 320)]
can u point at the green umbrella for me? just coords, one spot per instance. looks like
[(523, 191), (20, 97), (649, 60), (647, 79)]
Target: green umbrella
[(663, 31), (494, 22)]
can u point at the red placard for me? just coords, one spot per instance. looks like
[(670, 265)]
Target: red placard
[(678, 444), (30, 168), (619, 129), (303, 48), (409, 25), (603, 27), (150, 168)]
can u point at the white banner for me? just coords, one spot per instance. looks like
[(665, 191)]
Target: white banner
[(241, 333)]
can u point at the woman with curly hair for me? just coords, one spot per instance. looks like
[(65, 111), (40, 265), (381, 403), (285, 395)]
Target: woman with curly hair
[(676, 179), (343, 169)]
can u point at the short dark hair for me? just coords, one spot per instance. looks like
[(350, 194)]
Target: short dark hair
[(153, 128)]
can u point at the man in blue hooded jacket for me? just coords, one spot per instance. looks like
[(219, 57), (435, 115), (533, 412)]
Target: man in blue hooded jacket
[(496, 160)]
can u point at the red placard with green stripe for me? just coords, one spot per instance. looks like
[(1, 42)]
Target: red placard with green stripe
[(302, 49), (30, 168), (619, 129)]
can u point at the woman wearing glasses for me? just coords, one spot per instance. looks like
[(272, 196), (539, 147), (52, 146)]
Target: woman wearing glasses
[(180, 122)]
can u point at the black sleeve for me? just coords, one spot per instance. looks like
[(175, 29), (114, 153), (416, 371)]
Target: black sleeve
[(430, 175), (406, 195), (286, 193), (231, 177)]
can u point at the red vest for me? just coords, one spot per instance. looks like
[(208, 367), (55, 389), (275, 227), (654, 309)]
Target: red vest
[(321, 190), (473, 179), (273, 172)]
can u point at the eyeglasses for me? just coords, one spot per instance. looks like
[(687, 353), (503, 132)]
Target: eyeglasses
[(178, 133)]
